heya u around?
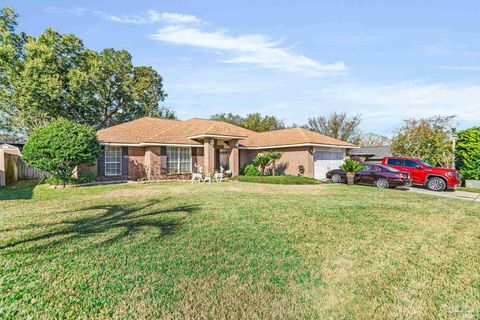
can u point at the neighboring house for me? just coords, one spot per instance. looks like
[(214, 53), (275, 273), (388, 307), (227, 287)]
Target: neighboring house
[(371, 154), (142, 148)]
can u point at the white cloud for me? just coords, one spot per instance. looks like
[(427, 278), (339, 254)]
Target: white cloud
[(388, 104), (78, 11), (249, 49), (151, 16)]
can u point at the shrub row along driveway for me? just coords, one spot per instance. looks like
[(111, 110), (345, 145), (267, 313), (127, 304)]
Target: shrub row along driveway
[(237, 250)]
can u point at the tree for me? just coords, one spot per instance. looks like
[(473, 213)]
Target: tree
[(429, 139), (228, 117), (253, 121), (54, 76), (264, 159), (338, 126), (374, 140), (257, 122), (61, 146), (467, 153)]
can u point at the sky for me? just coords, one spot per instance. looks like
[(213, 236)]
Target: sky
[(385, 60)]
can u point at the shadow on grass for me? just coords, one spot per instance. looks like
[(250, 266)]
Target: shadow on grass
[(19, 191), (128, 219)]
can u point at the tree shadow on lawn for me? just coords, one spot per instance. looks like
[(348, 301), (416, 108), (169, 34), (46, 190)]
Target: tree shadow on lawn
[(126, 218), (21, 190)]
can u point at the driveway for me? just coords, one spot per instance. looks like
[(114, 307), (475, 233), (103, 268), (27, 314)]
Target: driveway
[(471, 196)]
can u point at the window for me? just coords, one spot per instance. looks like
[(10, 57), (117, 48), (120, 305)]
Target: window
[(395, 162), (113, 161), (411, 164), (179, 159)]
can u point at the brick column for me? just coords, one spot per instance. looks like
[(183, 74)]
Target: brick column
[(233, 158), (153, 162), (208, 156)]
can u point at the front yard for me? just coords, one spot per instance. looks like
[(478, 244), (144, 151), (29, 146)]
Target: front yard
[(237, 250)]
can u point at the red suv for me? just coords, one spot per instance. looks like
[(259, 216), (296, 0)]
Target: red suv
[(436, 179)]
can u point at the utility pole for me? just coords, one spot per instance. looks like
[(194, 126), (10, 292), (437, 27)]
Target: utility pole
[(454, 138)]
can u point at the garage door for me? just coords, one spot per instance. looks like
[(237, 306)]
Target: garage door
[(326, 161)]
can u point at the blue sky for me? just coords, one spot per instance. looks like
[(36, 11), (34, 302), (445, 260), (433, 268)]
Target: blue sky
[(387, 60)]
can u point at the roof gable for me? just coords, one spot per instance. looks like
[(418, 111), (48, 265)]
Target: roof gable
[(150, 130)]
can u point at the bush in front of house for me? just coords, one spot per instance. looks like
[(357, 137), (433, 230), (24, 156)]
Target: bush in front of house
[(59, 147), (264, 159), (467, 153), (249, 170), (277, 179)]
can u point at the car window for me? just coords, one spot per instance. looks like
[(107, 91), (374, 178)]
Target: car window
[(411, 164), (367, 167), (377, 168), (395, 162), (425, 164)]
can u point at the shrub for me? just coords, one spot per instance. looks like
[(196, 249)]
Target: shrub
[(351, 166), (467, 153), (263, 159), (59, 147), (249, 170), (87, 177)]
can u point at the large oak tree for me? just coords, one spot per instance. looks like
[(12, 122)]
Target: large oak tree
[(54, 76)]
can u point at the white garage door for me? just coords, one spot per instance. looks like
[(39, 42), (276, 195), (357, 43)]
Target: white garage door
[(326, 161)]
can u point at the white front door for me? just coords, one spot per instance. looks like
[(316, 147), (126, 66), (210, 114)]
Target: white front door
[(325, 161)]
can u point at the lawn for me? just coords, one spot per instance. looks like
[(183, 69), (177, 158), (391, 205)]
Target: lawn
[(237, 250), (277, 179)]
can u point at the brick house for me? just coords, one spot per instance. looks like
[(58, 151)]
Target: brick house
[(149, 148)]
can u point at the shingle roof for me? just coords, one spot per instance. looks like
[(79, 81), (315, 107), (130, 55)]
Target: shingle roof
[(155, 130), (291, 136)]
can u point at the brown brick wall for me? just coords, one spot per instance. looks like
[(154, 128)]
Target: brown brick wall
[(289, 164), (136, 163)]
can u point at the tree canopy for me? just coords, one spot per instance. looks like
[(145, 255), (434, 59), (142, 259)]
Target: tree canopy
[(60, 146), (467, 153), (54, 76), (429, 139), (253, 121), (337, 125)]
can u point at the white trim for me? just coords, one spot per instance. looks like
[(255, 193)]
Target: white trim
[(219, 136), (300, 145), (146, 144)]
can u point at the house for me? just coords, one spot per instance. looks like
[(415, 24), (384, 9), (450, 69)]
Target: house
[(373, 154), (151, 148)]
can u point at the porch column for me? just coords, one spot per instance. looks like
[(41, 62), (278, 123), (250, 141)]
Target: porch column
[(209, 155), (233, 157)]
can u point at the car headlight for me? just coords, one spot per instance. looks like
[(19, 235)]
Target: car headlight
[(452, 174)]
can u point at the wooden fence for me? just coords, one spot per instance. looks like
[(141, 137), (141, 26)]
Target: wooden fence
[(25, 172), (12, 169)]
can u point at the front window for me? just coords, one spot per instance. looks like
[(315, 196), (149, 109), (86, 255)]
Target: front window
[(113, 161), (179, 159)]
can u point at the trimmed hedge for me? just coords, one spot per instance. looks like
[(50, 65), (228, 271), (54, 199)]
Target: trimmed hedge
[(277, 179)]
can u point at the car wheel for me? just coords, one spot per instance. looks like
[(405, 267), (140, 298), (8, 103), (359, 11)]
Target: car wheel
[(436, 184), (382, 183), (336, 178)]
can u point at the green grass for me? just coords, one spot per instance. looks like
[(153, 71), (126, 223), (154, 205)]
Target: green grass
[(237, 250), (277, 179), (475, 190)]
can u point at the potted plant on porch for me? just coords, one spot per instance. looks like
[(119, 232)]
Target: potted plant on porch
[(350, 167)]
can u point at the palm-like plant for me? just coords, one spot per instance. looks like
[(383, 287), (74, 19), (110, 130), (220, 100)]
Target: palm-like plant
[(350, 167), (264, 159)]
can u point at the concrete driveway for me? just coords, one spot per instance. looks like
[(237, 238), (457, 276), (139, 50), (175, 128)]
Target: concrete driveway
[(470, 196)]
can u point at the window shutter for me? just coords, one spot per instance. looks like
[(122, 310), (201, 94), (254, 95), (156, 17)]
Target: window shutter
[(163, 151), (124, 161), (101, 163), (194, 152)]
